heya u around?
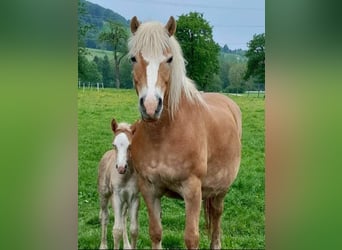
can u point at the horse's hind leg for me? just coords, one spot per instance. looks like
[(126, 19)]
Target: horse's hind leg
[(104, 220), (216, 209)]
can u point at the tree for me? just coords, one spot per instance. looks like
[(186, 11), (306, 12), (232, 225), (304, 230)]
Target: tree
[(107, 72), (224, 71), (256, 58), (225, 49), (236, 77), (200, 50), (116, 35), (93, 75), (126, 73), (83, 63)]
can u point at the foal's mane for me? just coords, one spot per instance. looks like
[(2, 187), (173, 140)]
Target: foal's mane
[(152, 39)]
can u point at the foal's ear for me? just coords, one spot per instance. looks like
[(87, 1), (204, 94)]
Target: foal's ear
[(114, 125), (134, 24), (171, 26)]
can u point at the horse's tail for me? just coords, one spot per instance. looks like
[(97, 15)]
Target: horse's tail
[(207, 207)]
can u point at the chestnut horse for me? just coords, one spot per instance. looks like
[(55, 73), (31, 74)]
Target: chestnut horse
[(117, 181), (187, 144)]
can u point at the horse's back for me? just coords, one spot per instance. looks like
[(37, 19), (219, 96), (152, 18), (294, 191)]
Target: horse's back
[(222, 105)]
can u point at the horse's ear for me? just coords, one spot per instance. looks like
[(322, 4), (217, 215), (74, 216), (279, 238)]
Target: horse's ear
[(134, 24), (114, 125), (171, 26)]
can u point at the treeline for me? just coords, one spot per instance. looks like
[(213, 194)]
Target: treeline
[(212, 67), (101, 70)]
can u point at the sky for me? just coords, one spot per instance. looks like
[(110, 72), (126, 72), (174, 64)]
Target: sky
[(234, 22)]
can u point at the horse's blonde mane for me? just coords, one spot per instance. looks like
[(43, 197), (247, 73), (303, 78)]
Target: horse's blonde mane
[(152, 39)]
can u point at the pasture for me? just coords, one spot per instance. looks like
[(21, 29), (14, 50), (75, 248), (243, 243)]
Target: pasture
[(243, 220)]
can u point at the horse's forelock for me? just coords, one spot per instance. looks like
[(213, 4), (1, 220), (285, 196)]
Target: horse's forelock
[(151, 39)]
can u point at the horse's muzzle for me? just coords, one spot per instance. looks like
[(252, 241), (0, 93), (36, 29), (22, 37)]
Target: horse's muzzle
[(121, 169), (150, 108)]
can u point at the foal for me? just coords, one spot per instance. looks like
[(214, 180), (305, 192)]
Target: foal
[(117, 182)]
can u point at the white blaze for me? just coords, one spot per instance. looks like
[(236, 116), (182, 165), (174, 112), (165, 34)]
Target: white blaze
[(121, 142), (152, 92), (152, 75)]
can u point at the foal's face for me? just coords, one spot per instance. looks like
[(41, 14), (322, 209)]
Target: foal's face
[(121, 144), (151, 77)]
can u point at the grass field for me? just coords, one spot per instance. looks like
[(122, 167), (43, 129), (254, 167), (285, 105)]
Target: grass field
[(243, 221)]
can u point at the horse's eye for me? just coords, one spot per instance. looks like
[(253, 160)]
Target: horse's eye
[(169, 60), (133, 59)]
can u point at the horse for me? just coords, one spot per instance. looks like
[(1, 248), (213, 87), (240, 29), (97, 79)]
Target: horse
[(117, 181), (188, 144)]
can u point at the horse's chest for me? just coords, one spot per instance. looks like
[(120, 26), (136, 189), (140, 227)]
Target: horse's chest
[(164, 168), (126, 190), (125, 194), (168, 159)]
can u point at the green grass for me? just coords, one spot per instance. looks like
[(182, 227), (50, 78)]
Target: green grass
[(243, 221)]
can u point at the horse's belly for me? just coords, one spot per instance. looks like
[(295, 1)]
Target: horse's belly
[(219, 178)]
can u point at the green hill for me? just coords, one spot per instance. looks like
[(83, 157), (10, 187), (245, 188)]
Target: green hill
[(96, 16)]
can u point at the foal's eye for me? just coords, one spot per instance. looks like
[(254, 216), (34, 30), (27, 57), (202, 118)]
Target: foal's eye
[(133, 59), (169, 60)]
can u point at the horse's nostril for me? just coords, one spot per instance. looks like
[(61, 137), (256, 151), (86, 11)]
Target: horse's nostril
[(141, 102), (126, 166), (116, 165), (160, 104)]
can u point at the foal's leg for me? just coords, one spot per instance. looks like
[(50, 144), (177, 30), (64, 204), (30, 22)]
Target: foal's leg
[(192, 196), (134, 228), (104, 220), (153, 206), (216, 209), (126, 244), (118, 220)]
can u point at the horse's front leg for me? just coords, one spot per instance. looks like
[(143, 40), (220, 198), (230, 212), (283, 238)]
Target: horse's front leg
[(118, 220), (104, 220), (134, 228), (192, 196), (152, 200), (125, 236)]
